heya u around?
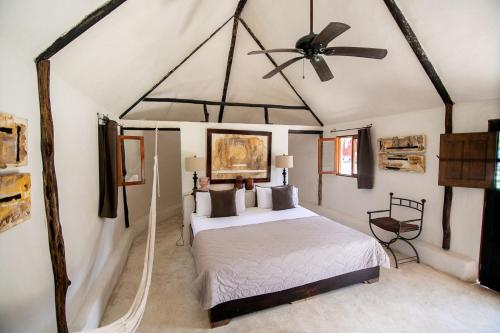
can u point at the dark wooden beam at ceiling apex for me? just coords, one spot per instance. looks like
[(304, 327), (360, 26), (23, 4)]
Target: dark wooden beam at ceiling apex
[(237, 13), (79, 29), (51, 197), (166, 76), (275, 64), (418, 50)]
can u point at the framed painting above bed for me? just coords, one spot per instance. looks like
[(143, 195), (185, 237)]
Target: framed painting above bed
[(232, 153)]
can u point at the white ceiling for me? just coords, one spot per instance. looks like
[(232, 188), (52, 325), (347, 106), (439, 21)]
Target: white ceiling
[(121, 57)]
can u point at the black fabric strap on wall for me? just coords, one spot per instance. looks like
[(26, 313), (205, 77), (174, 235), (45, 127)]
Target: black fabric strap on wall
[(365, 159), (108, 173)]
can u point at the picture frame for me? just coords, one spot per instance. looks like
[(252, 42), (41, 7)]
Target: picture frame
[(232, 153)]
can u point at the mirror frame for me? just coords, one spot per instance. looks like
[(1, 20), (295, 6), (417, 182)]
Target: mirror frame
[(121, 159), (320, 156)]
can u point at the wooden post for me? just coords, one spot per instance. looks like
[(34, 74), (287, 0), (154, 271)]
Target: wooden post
[(448, 190), (237, 13), (56, 241), (266, 115)]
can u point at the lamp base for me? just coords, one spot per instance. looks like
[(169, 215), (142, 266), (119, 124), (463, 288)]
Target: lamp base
[(195, 182), (284, 176)]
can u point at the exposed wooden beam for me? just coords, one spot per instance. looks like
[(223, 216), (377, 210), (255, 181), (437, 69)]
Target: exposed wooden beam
[(448, 190), (51, 198), (291, 131), (79, 29), (166, 129), (415, 45), (166, 76), (418, 50), (275, 64), (124, 188), (237, 13), (205, 112), (203, 102)]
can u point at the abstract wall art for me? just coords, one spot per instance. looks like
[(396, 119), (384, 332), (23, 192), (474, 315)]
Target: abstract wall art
[(232, 153), (402, 153), (13, 141), (15, 199)]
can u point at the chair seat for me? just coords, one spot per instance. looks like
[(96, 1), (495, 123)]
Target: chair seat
[(390, 224)]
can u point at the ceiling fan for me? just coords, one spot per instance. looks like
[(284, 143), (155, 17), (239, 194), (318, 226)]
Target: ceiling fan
[(312, 46)]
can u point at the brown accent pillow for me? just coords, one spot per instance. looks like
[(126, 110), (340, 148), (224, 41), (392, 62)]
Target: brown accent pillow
[(223, 203), (282, 197)]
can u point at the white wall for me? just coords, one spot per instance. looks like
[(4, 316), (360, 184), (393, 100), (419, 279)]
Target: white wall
[(341, 194), (194, 142), (304, 174), (169, 163)]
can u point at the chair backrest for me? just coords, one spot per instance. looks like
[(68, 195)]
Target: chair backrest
[(409, 203)]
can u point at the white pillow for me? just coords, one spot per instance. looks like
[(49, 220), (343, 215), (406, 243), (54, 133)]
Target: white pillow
[(264, 197), (295, 196), (240, 201), (203, 204)]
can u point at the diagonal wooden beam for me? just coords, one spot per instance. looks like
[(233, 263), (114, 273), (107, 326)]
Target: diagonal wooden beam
[(79, 29), (166, 76), (429, 69), (415, 45), (275, 64), (237, 13)]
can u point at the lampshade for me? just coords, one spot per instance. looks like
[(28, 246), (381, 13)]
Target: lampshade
[(284, 161), (195, 164)]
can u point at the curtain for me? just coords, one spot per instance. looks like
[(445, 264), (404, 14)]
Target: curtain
[(108, 172), (365, 160)]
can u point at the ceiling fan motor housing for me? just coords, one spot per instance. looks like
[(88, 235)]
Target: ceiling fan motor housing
[(304, 44)]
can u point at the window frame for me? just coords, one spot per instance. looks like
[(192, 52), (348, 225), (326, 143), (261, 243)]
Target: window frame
[(337, 157), (336, 140)]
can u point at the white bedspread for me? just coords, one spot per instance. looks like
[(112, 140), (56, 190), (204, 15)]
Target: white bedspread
[(251, 215)]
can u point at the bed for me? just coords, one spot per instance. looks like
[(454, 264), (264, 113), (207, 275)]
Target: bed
[(263, 258)]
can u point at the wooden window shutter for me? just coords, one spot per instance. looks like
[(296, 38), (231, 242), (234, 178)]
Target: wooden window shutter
[(467, 159)]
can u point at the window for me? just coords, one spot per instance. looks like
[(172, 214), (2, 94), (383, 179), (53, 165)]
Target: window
[(338, 156), (346, 162)]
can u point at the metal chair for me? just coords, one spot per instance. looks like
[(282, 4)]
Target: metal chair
[(389, 223)]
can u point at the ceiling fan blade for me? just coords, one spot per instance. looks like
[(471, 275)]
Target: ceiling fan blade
[(281, 67), (321, 68), (330, 32), (274, 50), (363, 52)]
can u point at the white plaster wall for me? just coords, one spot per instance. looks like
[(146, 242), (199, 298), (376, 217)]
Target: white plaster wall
[(304, 174), (169, 168), (341, 193)]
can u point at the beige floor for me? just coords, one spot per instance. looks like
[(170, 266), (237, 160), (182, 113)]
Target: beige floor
[(414, 298)]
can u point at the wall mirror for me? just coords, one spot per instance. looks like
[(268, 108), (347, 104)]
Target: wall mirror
[(327, 148), (131, 160)]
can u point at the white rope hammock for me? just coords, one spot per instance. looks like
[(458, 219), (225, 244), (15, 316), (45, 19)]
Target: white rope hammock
[(131, 320)]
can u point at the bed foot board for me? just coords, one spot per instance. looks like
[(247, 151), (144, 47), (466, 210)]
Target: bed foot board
[(221, 314), (215, 324)]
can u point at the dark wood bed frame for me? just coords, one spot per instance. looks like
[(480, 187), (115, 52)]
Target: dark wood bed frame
[(221, 314)]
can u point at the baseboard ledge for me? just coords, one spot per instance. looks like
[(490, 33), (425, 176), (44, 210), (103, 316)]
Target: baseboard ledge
[(448, 262)]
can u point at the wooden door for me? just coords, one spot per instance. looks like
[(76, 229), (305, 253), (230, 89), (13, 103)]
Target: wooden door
[(489, 261)]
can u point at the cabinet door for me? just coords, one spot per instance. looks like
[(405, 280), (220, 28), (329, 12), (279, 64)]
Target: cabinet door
[(467, 159)]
